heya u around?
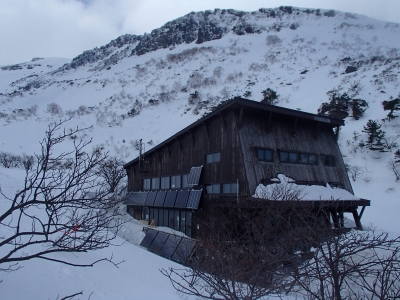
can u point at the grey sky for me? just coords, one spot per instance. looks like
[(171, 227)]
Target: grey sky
[(65, 28)]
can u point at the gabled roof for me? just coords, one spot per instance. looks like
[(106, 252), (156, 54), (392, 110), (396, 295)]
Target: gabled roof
[(253, 106)]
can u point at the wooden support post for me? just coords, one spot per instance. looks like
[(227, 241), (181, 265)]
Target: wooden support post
[(169, 150), (361, 212), (357, 219), (335, 218)]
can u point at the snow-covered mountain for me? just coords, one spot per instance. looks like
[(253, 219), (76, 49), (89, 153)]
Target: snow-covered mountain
[(143, 87)]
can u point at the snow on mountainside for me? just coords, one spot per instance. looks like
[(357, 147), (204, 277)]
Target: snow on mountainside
[(154, 85)]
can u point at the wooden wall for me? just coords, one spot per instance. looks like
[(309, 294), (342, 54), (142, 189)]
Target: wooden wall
[(219, 134), (253, 134)]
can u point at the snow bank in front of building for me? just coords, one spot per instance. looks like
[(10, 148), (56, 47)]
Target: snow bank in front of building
[(287, 189)]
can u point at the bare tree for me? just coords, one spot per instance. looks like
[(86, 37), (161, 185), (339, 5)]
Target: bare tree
[(112, 171), (355, 265), (63, 205), (247, 251)]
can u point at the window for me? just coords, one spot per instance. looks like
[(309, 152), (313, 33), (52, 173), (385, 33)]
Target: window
[(146, 184), (176, 182), (184, 181), (328, 160), (265, 155), (165, 183), (145, 213), (310, 159), (213, 158), (155, 183), (229, 188), (213, 188), (290, 157), (336, 185), (297, 157)]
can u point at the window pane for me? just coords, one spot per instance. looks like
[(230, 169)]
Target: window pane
[(216, 188), (176, 220), (304, 158), (284, 156), (188, 225), (146, 184), (293, 157), (164, 182), (261, 154), (234, 188), (329, 161), (312, 159), (268, 155), (160, 217), (209, 158), (155, 183), (209, 189), (145, 213), (166, 217), (226, 188), (184, 181), (217, 157), (176, 182)]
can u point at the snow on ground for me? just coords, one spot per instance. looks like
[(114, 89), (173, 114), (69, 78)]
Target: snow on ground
[(137, 277), (233, 66)]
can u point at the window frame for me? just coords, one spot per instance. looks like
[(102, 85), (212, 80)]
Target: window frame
[(212, 158), (264, 150), (163, 180), (299, 157), (213, 186), (331, 159), (236, 189), (176, 181), (153, 180), (146, 187)]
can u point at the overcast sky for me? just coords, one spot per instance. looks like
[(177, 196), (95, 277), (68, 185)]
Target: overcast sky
[(65, 28)]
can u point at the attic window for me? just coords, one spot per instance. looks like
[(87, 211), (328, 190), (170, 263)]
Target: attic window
[(265, 155), (297, 157), (213, 157), (328, 160)]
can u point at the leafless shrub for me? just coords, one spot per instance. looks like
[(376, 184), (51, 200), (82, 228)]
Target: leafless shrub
[(257, 67), (355, 172), (54, 109), (395, 167), (218, 71), (273, 40), (9, 160)]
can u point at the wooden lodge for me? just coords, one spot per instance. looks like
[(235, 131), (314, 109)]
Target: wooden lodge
[(225, 155)]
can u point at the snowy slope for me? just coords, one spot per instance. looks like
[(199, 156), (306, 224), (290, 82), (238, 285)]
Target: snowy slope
[(138, 87)]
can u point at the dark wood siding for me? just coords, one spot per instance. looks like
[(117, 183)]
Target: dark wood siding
[(253, 134), (218, 134)]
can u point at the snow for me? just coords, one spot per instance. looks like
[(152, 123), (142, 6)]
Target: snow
[(317, 45), (307, 193)]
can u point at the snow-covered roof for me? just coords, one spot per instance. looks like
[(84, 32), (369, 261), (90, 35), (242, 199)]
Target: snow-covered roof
[(287, 189)]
